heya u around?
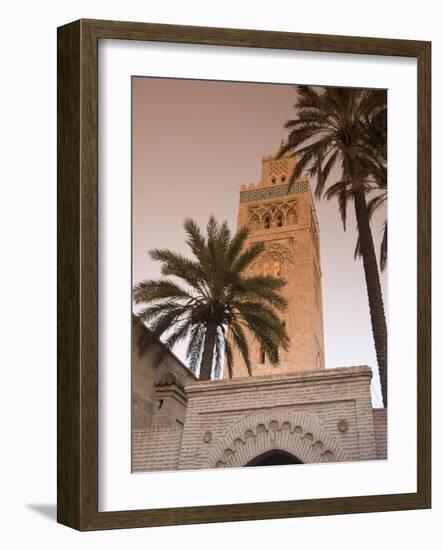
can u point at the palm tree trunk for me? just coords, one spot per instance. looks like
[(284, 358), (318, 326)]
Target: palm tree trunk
[(207, 357), (374, 291)]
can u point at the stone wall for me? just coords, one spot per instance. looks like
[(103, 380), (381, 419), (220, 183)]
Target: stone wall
[(320, 416), (317, 416), (146, 374), (380, 430), (156, 449), (158, 402), (329, 409)]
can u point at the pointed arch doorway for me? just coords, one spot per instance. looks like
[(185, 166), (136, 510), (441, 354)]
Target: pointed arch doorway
[(275, 457)]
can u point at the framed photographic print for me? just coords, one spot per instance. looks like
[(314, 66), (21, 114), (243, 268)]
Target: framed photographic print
[(243, 226)]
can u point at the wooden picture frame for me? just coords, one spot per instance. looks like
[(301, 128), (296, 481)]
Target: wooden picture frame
[(77, 461)]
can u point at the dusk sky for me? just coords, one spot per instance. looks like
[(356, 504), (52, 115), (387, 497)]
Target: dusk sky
[(194, 144)]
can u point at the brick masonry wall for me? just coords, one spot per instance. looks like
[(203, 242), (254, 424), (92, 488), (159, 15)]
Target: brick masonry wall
[(156, 449), (380, 430), (317, 416), (146, 374), (337, 399), (157, 428)]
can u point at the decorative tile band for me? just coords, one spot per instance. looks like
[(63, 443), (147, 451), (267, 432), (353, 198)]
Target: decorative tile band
[(258, 194)]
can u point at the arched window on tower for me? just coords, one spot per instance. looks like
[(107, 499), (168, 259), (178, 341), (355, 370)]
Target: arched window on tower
[(279, 220), (254, 223), (291, 217), (266, 269), (266, 222), (262, 356), (276, 268)]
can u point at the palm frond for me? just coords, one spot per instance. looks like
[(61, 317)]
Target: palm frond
[(229, 356), (384, 248), (150, 312), (376, 202), (159, 289), (237, 243), (246, 258), (178, 266), (219, 353), (197, 243), (266, 288), (240, 342), (195, 347), (264, 324)]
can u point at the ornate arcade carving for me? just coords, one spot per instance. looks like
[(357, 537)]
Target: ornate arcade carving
[(272, 215), (274, 252), (253, 193), (296, 433)]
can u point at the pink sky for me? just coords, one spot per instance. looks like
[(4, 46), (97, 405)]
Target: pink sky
[(194, 144)]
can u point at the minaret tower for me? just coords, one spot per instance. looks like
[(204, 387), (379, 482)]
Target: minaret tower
[(283, 217)]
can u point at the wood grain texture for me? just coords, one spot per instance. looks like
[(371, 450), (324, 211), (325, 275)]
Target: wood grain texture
[(77, 226), (424, 273), (68, 275)]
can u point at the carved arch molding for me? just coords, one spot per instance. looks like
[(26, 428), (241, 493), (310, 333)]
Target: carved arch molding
[(276, 251), (299, 434)]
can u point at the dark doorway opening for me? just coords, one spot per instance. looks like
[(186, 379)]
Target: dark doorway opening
[(275, 457)]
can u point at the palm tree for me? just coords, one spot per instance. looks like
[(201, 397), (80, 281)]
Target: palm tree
[(217, 296), (344, 128), (375, 128), (373, 204)]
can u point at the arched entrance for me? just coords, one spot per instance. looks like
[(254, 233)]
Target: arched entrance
[(256, 435), (275, 457)]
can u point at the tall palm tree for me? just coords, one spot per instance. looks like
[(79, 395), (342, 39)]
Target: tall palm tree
[(375, 128), (335, 127), (374, 204), (217, 295)]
